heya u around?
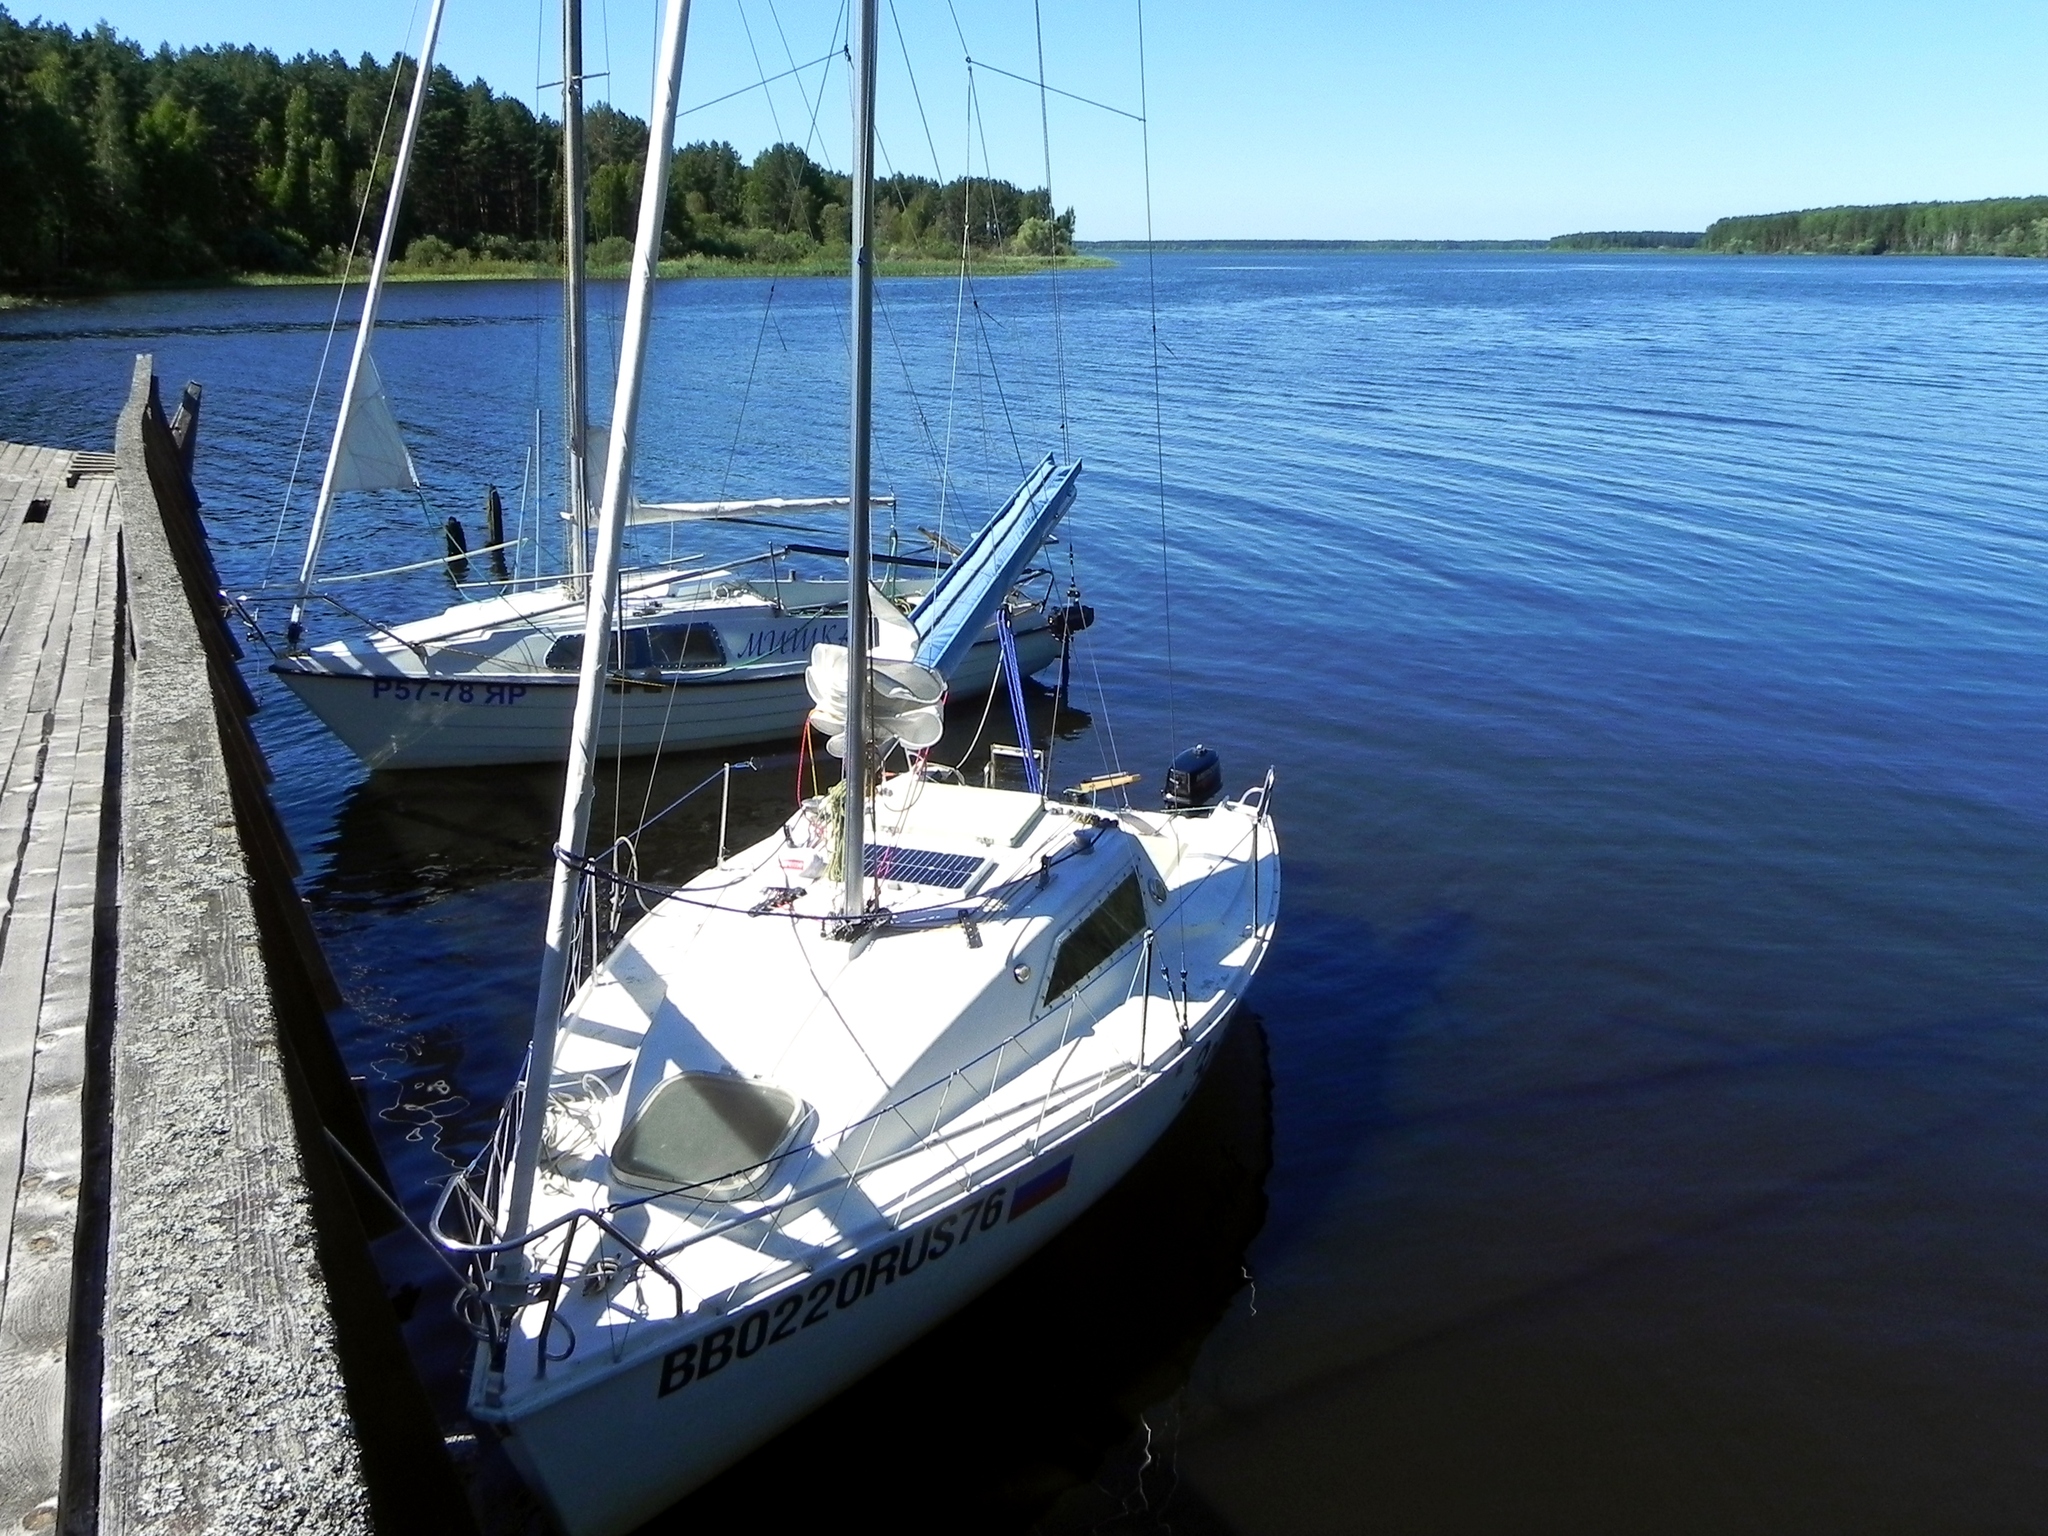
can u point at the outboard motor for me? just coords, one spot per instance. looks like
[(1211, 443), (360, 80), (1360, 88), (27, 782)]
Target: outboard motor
[(1071, 620), (1194, 778)]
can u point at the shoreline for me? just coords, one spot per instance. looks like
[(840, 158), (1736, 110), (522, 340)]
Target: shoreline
[(523, 271), (1092, 256)]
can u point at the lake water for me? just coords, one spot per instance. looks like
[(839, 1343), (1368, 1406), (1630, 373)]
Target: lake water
[(1641, 1120)]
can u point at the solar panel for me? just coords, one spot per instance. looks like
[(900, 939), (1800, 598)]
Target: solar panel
[(921, 866)]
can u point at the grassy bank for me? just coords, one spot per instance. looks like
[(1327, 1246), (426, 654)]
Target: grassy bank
[(484, 270)]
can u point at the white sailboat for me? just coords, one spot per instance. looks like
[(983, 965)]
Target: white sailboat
[(826, 1092), (698, 659)]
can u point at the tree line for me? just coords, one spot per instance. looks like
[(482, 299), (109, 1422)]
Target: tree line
[(1627, 240), (1997, 226), (118, 165)]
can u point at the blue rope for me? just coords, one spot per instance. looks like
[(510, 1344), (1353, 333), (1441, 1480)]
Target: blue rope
[(1014, 678)]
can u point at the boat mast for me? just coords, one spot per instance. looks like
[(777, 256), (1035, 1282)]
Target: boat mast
[(575, 338), (371, 294), (854, 838), (599, 611)]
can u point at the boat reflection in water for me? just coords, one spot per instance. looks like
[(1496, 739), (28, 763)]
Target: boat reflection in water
[(402, 839)]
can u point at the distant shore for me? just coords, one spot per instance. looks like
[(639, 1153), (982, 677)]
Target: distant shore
[(1618, 240), (1989, 226)]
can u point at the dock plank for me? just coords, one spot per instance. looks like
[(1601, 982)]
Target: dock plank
[(39, 473), (36, 1285), (55, 780)]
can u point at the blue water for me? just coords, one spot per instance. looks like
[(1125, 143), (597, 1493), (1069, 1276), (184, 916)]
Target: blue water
[(1650, 653)]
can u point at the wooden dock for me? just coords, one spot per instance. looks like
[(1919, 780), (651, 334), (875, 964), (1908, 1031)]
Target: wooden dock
[(192, 1334), (59, 579)]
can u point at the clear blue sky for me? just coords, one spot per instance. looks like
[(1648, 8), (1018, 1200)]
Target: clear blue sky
[(1454, 119)]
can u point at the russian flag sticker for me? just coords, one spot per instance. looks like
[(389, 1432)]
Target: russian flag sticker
[(1038, 1189)]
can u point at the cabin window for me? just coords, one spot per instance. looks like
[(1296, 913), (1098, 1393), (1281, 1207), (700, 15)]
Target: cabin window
[(710, 1134), (566, 654), (656, 647), (1100, 935), (680, 647)]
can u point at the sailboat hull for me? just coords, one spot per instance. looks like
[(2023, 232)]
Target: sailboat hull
[(668, 1423), (475, 720)]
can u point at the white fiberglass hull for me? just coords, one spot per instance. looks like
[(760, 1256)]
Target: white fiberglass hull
[(464, 720), (698, 1401), (1039, 990)]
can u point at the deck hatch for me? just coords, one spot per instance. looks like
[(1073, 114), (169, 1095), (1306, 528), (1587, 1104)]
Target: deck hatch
[(715, 1135)]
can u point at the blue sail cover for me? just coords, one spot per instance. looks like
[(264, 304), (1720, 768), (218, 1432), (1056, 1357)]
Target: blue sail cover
[(953, 613)]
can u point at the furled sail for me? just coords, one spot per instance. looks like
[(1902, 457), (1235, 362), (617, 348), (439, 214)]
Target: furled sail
[(911, 656), (597, 447), (695, 511), (372, 455), (906, 701)]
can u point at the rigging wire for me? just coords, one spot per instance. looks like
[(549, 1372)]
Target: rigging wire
[(915, 95), (340, 294), (1087, 101), (761, 70), (775, 16), (981, 315), (960, 294), (762, 85), (924, 426), (1158, 410), (747, 394), (810, 107), (540, 221), (811, 134), (612, 318), (1159, 441), (1059, 349), (995, 377), (767, 311)]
